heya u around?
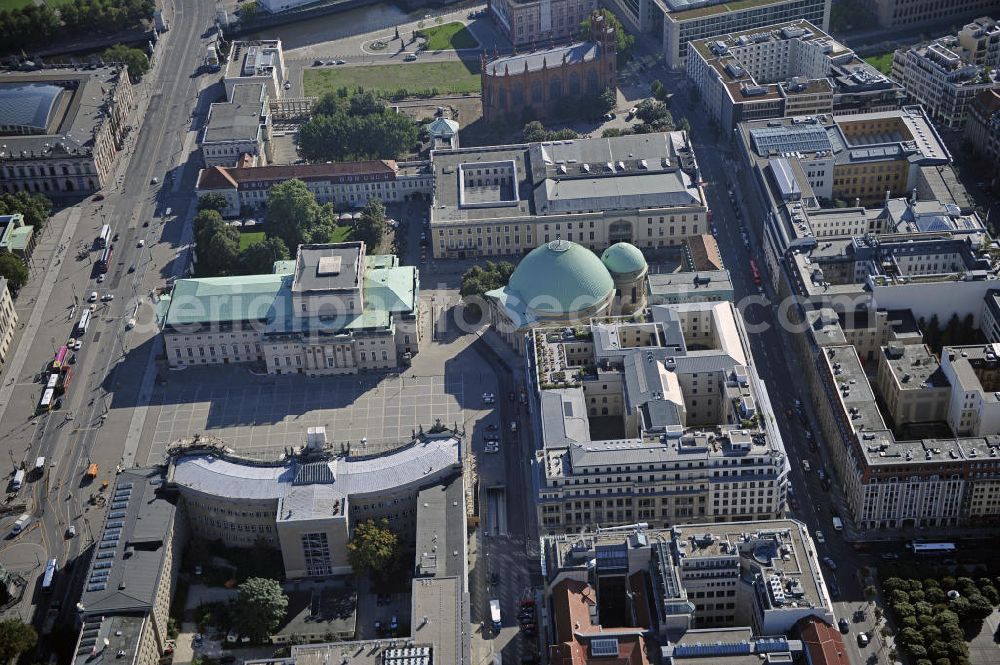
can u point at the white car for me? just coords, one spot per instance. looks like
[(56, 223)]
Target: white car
[(819, 537), (142, 243), (92, 297), (288, 85), (101, 278), (78, 345), (108, 296), (492, 447), (489, 398), (130, 324), (806, 465)]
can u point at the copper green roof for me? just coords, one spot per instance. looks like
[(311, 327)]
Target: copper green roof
[(560, 277), (223, 299), (623, 258)]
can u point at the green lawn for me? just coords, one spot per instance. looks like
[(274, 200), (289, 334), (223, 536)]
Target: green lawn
[(341, 233), (448, 37), (247, 239), (446, 77), (13, 4), (881, 62)]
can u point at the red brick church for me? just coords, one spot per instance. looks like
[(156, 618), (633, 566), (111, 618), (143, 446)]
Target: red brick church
[(540, 79)]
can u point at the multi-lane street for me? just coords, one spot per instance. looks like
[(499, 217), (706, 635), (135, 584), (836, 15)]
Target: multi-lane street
[(100, 419)]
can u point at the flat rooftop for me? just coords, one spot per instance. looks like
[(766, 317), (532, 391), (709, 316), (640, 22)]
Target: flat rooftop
[(685, 10), (240, 118), (663, 285), (914, 366), (320, 268)]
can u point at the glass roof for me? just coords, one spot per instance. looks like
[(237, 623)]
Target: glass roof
[(28, 105)]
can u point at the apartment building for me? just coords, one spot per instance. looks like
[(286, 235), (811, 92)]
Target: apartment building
[(905, 13), (306, 505), (982, 132), (238, 130), (912, 384), (940, 76), (685, 21), (344, 184), (660, 419), (333, 310), (257, 61), (685, 592), (896, 480), (786, 69), (62, 129), (974, 374), (506, 200), (534, 22), (125, 604), (8, 320)]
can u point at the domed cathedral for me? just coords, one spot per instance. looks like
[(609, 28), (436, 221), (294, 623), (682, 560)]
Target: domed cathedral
[(563, 283), (532, 84), (627, 267)]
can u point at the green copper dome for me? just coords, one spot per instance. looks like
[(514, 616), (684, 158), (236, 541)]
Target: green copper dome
[(623, 258), (561, 278)]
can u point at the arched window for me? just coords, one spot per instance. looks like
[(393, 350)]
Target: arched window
[(592, 84), (574, 84), (536, 92), (555, 88), (69, 186)]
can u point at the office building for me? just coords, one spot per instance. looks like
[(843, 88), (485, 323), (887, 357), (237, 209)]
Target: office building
[(534, 22), (974, 374), (541, 83), (982, 132), (685, 21), (344, 184), (940, 76), (506, 200), (61, 129), (17, 237), (308, 504), (787, 69), (258, 61), (238, 130), (687, 287), (659, 419), (124, 608), (691, 593), (334, 309), (912, 384), (8, 320), (906, 13)]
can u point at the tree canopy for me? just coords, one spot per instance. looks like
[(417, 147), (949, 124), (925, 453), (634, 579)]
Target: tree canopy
[(373, 547), (371, 227), (259, 258), (360, 129), (294, 215), (36, 208), (259, 607), (477, 280), (14, 270), (133, 58), (38, 24), (213, 201), (535, 131), (16, 637)]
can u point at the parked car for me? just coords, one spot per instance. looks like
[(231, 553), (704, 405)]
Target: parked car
[(410, 57), (844, 626), (830, 563), (819, 537), (71, 531), (863, 640), (101, 277), (92, 297)]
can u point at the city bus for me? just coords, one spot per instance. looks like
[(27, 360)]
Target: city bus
[(53, 381), (65, 378), (104, 263), (104, 237), (81, 327), (50, 573), (62, 355), (755, 272), (932, 549), (48, 399)]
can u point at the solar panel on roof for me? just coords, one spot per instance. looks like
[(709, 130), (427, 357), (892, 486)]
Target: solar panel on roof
[(790, 138)]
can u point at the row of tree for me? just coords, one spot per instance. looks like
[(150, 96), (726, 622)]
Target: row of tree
[(355, 128), (957, 332), (932, 619), (38, 24), (134, 59)]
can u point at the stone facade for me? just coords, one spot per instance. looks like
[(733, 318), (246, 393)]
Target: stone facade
[(532, 21), (540, 80)]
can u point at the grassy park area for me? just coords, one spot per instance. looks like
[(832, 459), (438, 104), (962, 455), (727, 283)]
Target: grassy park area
[(881, 62), (448, 37), (387, 80), (247, 239)]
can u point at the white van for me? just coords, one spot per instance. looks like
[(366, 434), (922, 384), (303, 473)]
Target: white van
[(39, 464), (18, 480), (19, 525), (838, 523)]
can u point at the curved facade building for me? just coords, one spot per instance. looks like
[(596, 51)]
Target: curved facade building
[(563, 283), (306, 506)]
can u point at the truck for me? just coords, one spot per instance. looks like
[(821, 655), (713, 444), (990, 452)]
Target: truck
[(18, 480), (20, 524), (838, 524), (212, 59), (92, 471), (495, 613), (39, 466)]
